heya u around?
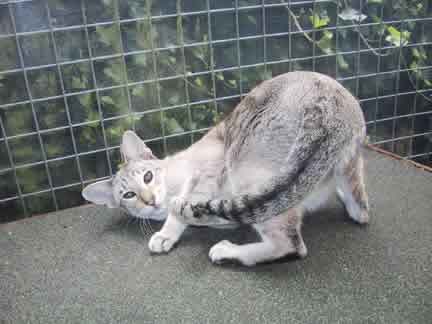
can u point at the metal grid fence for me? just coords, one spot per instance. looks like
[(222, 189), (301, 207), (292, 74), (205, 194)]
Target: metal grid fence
[(75, 75)]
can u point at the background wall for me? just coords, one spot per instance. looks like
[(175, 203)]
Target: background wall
[(75, 74)]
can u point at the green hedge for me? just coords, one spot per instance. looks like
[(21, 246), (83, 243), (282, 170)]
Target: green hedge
[(129, 95)]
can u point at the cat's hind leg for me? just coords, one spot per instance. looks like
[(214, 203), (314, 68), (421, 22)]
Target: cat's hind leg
[(351, 189), (280, 236)]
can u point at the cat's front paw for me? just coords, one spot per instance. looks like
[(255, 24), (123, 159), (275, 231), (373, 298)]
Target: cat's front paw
[(224, 251), (160, 243), (181, 209)]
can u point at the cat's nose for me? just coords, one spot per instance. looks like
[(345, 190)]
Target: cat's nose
[(148, 197), (151, 202)]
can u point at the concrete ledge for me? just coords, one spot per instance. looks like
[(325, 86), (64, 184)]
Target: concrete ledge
[(91, 264)]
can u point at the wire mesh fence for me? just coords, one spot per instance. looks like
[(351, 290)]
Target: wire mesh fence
[(75, 74)]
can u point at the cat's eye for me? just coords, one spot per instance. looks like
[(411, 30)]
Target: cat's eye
[(148, 177), (129, 195)]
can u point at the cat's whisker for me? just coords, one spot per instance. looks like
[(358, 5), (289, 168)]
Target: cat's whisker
[(129, 220), (148, 229), (147, 221), (142, 227)]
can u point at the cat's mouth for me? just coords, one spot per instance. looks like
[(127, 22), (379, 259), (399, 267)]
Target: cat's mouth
[(150, 206), (156, 206)]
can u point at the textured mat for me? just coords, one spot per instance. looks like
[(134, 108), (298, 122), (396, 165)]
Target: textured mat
[(91, 265)]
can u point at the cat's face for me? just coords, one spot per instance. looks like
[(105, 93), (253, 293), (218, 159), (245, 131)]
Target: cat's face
[(139, 186)]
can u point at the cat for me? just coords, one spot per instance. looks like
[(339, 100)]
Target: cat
[(289, 144)]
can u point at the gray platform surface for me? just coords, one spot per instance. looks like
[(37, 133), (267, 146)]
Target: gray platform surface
[(91, 265)]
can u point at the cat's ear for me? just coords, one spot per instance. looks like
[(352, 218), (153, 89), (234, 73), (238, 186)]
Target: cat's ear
[(133, 148), (100, 193)]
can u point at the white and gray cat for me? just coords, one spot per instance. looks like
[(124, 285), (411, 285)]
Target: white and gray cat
[(291, 142)]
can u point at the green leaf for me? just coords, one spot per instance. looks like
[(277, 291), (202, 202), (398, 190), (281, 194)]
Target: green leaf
[(394, 32), (173, 126), (220, 76), (419, 54), (172, 60), (325, 43), (77, 83), (342, 63), (141, 59), (233, 83), (352, 15), (109, 36), (107, 100), (318, 21), (199, 82), (252, 19), (93, 115), (138, 91), (396, 37), (85, 101)]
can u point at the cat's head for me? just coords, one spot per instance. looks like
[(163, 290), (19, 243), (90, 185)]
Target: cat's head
[(139, 186)]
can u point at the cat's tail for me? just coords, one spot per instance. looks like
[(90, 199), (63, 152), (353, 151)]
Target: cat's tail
[(241, 209)]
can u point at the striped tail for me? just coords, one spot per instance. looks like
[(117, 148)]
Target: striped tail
[(242, 209)]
